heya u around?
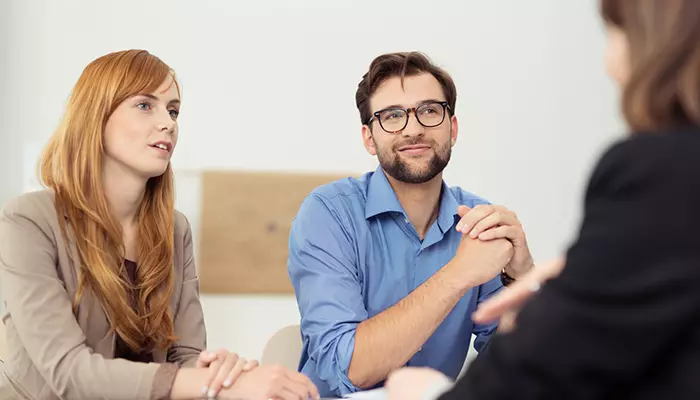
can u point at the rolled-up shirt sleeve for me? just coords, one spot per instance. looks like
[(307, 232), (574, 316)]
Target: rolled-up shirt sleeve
[(484, 332), (323, 268)]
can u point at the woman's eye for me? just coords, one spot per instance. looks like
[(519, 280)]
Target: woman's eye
[(174, 113), (144, 106)]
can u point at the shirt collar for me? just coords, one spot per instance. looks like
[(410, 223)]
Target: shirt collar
[(448, 209), (381, 198)]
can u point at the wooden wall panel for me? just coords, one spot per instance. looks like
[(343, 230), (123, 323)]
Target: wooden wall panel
[(244, 229)]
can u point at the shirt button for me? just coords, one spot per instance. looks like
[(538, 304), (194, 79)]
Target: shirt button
[(405, 220), (421, 348)]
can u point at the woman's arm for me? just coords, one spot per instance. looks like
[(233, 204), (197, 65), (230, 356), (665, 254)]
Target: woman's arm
[(40, 309), (189, 318)]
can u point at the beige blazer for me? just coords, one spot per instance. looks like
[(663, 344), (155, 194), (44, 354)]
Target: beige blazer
[(56, 354)]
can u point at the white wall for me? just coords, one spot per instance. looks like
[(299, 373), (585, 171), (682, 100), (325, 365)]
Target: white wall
[(269, 85), (6, 161)]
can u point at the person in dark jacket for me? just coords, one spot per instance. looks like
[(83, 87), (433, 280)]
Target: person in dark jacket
[(620, 318)]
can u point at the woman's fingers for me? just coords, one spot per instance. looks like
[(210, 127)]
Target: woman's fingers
[(219, 371), (235, 372), (251, 364), (205, 358), (516, 294)]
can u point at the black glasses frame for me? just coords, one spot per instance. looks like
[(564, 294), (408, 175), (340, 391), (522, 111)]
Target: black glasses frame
[(445, 107)]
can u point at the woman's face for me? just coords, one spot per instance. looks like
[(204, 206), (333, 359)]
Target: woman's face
[(141, 134), (617, 62)]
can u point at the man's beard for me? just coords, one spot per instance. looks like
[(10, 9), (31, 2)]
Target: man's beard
[(402, 171)]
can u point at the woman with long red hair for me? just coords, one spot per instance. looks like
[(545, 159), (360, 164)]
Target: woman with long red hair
[(97, 270)]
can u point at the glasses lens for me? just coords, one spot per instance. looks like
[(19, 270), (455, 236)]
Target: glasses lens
[(393, 119), (430, 114)]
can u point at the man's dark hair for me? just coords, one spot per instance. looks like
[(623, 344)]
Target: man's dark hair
[(400, 64)]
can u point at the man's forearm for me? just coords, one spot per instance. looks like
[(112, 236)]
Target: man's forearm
[(389, 339)]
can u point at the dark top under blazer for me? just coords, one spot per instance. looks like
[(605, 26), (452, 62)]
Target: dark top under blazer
[(622, 321)]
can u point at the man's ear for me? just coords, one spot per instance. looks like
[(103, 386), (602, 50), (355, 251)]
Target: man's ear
[(368, 141)]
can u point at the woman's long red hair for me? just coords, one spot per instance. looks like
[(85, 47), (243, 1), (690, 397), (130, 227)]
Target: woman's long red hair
[(71, 166)]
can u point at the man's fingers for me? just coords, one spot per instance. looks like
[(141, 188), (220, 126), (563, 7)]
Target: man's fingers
[(463, 210), (494, 220), (502, 232), (472, 217)]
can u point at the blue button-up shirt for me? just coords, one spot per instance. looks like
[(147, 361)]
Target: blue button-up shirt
[(353, 253)]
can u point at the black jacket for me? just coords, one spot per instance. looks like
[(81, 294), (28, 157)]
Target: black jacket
[(622, 321)]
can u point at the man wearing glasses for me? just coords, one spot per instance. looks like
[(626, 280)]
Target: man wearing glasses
[(388, 268)]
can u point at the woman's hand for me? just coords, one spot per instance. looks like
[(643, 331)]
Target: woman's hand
[(413, 383), (272, 382), (506, 304), (225, 368)]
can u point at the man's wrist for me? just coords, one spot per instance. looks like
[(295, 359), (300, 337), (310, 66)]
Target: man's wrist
[(517, 273), (457, 278)]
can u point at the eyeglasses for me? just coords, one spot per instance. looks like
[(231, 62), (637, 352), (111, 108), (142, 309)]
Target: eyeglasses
[(395, 119)]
